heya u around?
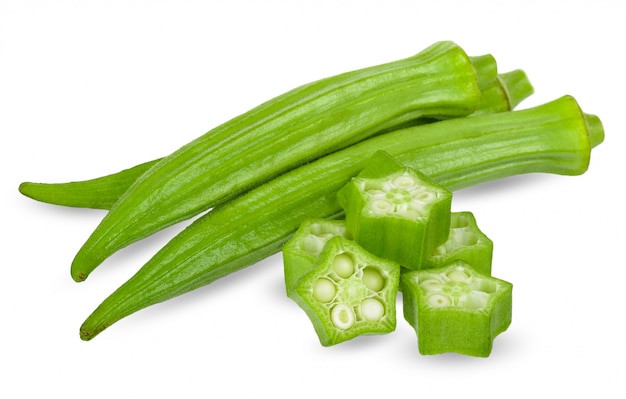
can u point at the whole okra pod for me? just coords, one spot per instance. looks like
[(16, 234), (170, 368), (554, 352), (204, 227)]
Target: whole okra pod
[(499, 93), (551, 138), (283, 133)]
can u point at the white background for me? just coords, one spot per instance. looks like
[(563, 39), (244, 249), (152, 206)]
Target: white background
[(88, 88)]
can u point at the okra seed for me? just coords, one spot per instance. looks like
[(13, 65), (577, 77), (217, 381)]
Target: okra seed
[(343, 265), (458, 275), (423, 196), (373, 279), (439, 300), (381, 206), (342, 316), (404, 181), (324, 290), (431, 283), (372, 309)]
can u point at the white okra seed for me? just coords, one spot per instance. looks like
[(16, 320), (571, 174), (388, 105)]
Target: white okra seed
[(373, 279), (372, 309), (403, 181), (324, 290), (343, 265), (342, 316), (439, 300)]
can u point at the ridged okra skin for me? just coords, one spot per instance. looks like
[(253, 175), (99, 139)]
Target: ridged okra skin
[(499, 93), (456, 309), (396, 212), (349, 293), (281, 134), (550, 138), (302, 252), (465, 242), (98, 193)]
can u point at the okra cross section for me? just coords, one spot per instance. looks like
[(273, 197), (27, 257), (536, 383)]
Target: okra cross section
[(349, 293), (302, 252), (465, 242), (396, 212), (456, 309)]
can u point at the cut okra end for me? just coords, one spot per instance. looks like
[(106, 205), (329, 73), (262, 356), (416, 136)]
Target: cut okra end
[(465, 242), (396, 212), (456, 309), (350, 293), (302, 251), (404, 194)]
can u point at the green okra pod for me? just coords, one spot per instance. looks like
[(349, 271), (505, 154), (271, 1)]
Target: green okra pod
[(499, 93), (454, 308), (456, 153), (283, 133), (98, 193)]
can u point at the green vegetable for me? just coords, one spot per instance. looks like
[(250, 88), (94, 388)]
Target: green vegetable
[(349, 292), (551, 138), (288, 131), (498, 94), (456, 309), (302, 252), (99, 193), (396, 212), (465, 242)]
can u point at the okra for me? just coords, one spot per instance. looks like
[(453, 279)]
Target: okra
[(98, 193), (498, 94), (281, 134), (302, 252), (396, 212), (550, 138), (349, 292), (456, 309), (465, 242)]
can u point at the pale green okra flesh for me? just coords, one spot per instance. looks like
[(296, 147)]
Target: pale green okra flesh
[(349, 293), (465, 242), (456, 309), (302, 252), (550, 138), (396, 212)]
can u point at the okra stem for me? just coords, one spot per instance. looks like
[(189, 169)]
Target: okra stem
[(551, 138)]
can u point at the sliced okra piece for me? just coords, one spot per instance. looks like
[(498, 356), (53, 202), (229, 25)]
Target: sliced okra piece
[(456, 309), (349, 293), (465, 242), (302, 252), (396, 212)]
